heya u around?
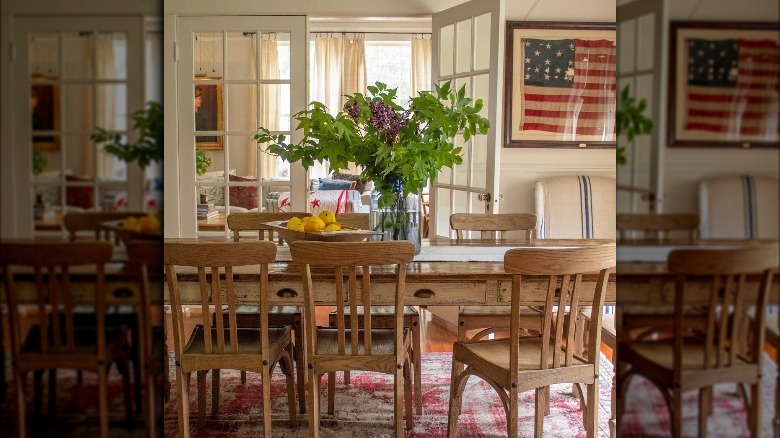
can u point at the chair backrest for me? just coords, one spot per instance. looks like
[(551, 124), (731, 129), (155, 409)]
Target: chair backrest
[(51, 264), (238, 222), (493, 226), (147, 258), (727, 296), (740, 207), (563, 270), (656, 227), (90, 221), (353, 220), (349, 257), (575, 207), (216, 257)]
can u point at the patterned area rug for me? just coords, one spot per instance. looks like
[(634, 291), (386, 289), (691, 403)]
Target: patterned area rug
[(365, 407)]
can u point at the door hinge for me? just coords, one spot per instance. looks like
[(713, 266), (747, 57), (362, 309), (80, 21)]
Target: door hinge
[(175, 52), (485, 197)]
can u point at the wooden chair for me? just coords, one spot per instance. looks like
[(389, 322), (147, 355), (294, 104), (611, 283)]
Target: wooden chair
[(383, 316), (248, 349), (656, 227), (91, 220), (54, 341), (518, 364), (492, 319), (148, 259), (371, 349), (353, 220), (682, 363), (278, 316)]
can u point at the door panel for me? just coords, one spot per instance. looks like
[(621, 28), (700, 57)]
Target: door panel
[(468, 47)]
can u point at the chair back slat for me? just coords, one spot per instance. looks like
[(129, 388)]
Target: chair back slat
[(725, 272), (253, 221), (563, 270), (217, 297), (147, 257), (656, 227), (493, 226), (91, 221), (357, 258), (211, 259), (50, 263)]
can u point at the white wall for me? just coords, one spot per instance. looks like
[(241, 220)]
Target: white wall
[(685, 167)]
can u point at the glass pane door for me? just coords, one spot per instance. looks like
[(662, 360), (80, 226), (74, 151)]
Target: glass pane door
[(467, 44), (237, 74)]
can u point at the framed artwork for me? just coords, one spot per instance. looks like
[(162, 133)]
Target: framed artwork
[(723, 84), (209, 116), (44, 112), (560, 89)]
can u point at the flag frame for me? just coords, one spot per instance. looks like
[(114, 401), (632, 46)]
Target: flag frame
[(515, 89), (679, 134)]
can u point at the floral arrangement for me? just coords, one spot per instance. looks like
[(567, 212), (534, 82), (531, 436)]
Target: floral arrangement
[(400, 149)]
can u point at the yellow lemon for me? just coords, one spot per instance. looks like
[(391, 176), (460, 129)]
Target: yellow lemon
[(299, 227), (333, 226), (327, 216), (293, 223), (306, 219), (314, 225), (131, 223), (148, 224)]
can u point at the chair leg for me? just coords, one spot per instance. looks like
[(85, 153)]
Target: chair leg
[(243, 377), (346, 377), (540, 404), (52, 392), (314, 404), (103, 401), (182, 384), (755, 409), (266, 400), (216, 375), (456, 399), (592, 406), (201, 396), (408, 401), (124, 370), (676, 412), (457, 367), (37, 393), (417, 356), (149, 402), (705, 409), (331, 393), (398, 402), (21, 415), (300, 368), (289, 371)]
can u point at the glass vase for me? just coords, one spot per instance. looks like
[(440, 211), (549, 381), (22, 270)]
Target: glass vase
[(399, 221)]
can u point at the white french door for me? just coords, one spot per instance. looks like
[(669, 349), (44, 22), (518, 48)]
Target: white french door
[(468, 47), (233, 75), (641, 33)]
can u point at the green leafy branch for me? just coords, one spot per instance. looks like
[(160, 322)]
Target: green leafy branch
[(148, 122), (630, 121)]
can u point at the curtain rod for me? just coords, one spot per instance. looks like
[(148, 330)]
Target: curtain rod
[(373, 32)]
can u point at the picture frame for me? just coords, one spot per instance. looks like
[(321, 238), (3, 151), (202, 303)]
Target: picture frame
[(209, 116), (717, 99), (565, 100), (45, 116)]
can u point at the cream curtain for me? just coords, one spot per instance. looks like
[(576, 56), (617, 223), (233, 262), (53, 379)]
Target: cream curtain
[(270, 101), (108, 108), (421, 65), (353, 77)]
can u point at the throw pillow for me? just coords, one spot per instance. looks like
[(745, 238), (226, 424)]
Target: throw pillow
[(335, 184), (83, 196), (360, 183), (243, 196)]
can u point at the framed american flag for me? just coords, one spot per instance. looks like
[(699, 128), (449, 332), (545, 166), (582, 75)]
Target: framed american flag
[(724, 84), (560, 88)]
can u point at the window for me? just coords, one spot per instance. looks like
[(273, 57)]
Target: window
[(390, 62)]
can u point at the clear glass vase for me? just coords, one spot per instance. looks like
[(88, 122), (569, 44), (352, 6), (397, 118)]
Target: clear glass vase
[(401, 220)]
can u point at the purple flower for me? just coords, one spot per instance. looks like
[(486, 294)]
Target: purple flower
[(353, 109), (381, 115)]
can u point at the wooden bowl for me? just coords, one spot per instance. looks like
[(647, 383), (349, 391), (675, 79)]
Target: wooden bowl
[(346, 234)]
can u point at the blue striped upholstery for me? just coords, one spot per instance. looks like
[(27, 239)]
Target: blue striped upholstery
[(576, 206), (740, 207)]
